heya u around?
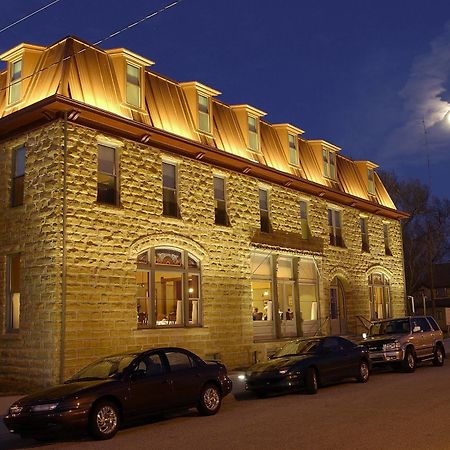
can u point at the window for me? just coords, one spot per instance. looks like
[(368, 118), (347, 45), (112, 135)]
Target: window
[(380, 296), (18, 177), (335, 227), (329, 163), (220, 210), (134, 85), (179, 361), (304, 219), (364, 234), (371, 181), (422, 323), (15, 85), (170, 197), (293, 149), (168, 288), (107, 175), (264, 210), (13, 292), (204, 114), (253, 141), (387, 248)]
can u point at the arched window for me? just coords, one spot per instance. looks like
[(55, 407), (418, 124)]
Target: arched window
[(380, 296), (168, 288)]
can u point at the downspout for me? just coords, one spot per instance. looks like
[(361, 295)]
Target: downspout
[(64, 256)]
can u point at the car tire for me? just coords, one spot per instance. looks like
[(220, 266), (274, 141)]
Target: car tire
[(311, 381), (210, 400), (364, 372), (409, 361), (438, 359), (104, 421)]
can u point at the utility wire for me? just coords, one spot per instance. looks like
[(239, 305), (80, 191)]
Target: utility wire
[(149, 16), (28, 16)]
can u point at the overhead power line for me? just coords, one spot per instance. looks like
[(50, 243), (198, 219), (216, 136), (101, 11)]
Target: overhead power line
[(147, 17), (28, 16)]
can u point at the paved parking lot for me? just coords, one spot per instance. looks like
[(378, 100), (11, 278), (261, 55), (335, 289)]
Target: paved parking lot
[(392, 411)]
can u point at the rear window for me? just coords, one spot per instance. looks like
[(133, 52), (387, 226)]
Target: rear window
[(179, 361), (433, 323)]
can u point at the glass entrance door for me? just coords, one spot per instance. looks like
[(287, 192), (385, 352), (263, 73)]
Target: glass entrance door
[(286, 308)]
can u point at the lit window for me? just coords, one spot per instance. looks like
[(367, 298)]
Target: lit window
[(293, 149), (203, 114), (253, 141), (364, 234), (170, 196), (335, 227), (380, 296), (107, 175), (304, 219), (264, 210), (18, 177), (221, 217), (387, 246), (329, 163), (168, 288), (133, 85), (15, 85), (13, 292), (371, 181)]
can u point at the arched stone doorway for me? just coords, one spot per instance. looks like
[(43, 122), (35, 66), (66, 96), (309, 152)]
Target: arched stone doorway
[(338, 306)]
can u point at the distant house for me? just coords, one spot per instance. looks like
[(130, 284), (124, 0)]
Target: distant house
[(441, 291), (137, 211)]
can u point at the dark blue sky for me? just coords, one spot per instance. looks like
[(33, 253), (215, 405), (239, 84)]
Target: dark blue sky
[(358, 73)]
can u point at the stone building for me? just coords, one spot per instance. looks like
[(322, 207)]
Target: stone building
[(137, 211)]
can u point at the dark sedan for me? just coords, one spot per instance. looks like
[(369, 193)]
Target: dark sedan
[(119, 388), (309, 363)]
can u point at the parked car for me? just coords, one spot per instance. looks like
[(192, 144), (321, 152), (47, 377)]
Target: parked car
[(308, 364), (121, 387), (404, 341)]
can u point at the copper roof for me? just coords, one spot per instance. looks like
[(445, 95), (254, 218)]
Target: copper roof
[(78, 71)]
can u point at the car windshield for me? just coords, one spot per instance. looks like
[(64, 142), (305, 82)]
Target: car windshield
[(401, 326), (298, 348), (103, 368)]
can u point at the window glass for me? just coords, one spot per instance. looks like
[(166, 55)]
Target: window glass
[(364, 234), (179, 361), (331, 344), (433, 323), (220, 210), (371, 182), (13, 307), (261, 265), (150, 365), (203, 113), (284, 268), (304, 219), (142, 300), (106, 175), (262, 305), (307, 270), (170, 201), (422, 323), (308, 302), (168, 257), (264, 210), (15, 87), (194, 296), (335, 227), (133, 85), (293, 151), (17, 194), (387, 248), (253, 133), (169, 298)]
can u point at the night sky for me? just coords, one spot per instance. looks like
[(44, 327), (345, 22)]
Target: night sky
[(363, 75)]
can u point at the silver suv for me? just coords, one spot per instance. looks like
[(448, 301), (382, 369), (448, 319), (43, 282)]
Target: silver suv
[(405, 341)]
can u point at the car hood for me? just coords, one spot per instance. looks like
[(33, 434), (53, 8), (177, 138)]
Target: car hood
[(60, 391), (275, 364), (382, 339)]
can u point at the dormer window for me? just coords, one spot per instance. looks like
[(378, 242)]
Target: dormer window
[(329, 163), (204, 114), (253, 137), (370, 181), (293, 149), (133, 85), (15, 85)]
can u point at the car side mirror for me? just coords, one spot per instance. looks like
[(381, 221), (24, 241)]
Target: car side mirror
[(416, 329), (364, 335)]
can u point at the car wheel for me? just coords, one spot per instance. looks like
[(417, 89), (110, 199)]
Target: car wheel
[(210, 400), (438, 359), (364, 372), (104, 420), (409, 361), (311, 382)]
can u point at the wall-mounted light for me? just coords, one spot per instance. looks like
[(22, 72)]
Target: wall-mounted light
[(199, 155), (246, 169), (145, 138), (73, 115)]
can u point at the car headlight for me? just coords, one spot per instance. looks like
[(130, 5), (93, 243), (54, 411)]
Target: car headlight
[(391, 346), (45, 407), (15, 410), (283, 370)]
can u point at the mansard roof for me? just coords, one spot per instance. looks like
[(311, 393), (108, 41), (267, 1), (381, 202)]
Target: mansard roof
[(73, 75)]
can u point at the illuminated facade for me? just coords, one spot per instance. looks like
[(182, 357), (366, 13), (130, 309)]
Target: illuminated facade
[(137, 211)]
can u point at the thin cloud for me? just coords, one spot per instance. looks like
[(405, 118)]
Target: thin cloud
[(424, 104)]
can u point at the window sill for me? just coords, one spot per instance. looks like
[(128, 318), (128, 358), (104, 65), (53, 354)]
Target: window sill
[(110, 206), (170, 327)]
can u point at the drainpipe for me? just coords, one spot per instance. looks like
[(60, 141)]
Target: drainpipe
[(64, 256)]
